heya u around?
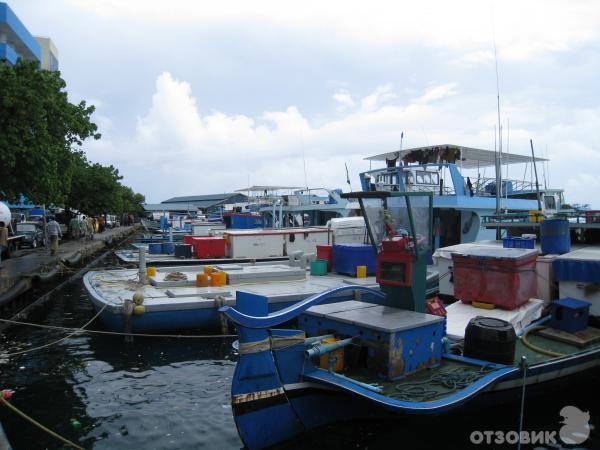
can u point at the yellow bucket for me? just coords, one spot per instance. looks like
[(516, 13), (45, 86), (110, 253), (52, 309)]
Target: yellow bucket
[(201, 280), (361, 271), (338, 355), (150, 272), (208, 269)]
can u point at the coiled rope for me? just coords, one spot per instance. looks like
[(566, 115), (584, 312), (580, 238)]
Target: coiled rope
[(453, 380)]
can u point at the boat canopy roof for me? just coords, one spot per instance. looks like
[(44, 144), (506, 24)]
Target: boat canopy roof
[(467, 157)]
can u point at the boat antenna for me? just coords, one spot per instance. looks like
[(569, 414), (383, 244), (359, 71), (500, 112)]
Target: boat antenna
[(499, 153), (304, 164), (401, 139), (537, 185)]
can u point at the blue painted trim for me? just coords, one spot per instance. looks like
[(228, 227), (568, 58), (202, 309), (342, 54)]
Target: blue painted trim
[(290, 312), (20, 32), (457, 180), (8, 54), (435, 406)]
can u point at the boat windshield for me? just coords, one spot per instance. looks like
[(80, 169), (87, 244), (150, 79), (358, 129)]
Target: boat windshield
[(400, 215)]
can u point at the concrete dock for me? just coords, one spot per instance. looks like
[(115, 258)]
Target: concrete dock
[(28, 266)]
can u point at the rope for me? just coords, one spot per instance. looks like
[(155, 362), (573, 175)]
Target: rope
[(39, 425), (534, 347), (453, 380), (116, 333), (58, 341)]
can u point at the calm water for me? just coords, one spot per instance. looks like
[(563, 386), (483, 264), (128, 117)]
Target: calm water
[(161, 393)]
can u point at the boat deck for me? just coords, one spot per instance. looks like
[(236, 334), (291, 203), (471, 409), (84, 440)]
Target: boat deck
[(428, 385), (279, 283)]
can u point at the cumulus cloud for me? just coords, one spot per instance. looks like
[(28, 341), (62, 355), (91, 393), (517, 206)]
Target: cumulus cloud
[(176, 149)]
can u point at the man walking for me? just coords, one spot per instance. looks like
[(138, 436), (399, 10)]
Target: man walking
[(54, 233)]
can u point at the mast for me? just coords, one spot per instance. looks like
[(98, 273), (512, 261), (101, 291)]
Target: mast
[(537, 184)]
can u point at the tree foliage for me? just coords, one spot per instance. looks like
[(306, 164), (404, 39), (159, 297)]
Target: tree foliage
[(41, 131), (41, 135)]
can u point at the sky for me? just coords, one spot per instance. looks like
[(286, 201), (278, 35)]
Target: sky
[(198, 97)]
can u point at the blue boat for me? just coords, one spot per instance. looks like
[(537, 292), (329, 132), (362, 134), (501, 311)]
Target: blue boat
[(462, 193), (387, 358)]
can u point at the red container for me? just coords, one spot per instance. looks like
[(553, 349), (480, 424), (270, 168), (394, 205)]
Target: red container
[(505, 277), (188, 239), (326, 252), (209, 247)]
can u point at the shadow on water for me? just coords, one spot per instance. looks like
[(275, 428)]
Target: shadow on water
[(174, 394)]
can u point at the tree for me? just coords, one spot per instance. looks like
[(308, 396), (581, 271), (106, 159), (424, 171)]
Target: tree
[(96, 189), (41, 132)]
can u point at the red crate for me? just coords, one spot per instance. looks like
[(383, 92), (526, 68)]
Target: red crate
[(209, 247), (507, 282), (326, 252)]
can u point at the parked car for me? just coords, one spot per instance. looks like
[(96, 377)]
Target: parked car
[(33, 232)]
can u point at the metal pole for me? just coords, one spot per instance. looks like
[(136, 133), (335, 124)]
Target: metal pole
[(537, 185)]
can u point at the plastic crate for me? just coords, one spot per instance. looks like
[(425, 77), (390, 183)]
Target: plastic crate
[(503, 277), (346, 257), (209, 247), (326, 252), (518, 242)]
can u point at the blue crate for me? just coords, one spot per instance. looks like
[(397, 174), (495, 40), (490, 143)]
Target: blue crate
[(518, 242), (346, 257), (570, 314)]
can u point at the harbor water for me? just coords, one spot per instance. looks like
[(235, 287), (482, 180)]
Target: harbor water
[(173, 393)]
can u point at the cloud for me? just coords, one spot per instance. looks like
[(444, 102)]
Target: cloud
[(522, 28), (344, 100), (175, 149), (438, 92)]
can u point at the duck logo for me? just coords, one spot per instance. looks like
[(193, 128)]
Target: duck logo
[(576, 427)]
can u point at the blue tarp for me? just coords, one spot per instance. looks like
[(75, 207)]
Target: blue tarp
[(577, 270)]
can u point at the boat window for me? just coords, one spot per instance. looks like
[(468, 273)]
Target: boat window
[(549, 202), (435, 178), (420, 177), (410, 179)]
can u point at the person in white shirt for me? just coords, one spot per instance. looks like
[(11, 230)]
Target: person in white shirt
[(54, 233)]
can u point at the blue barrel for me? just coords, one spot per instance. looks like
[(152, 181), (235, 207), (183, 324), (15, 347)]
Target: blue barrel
[(168, 248), (155, 248), (555, 236)]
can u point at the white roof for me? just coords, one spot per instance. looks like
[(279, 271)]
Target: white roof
[(472, 158)]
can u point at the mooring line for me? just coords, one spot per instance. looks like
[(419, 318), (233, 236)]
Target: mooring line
[(116, 333), (39, 425), (77, 330)]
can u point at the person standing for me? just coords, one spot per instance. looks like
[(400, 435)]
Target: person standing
[(54, 233), (3, 239)]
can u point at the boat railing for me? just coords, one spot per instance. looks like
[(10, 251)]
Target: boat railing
[(487, 186)]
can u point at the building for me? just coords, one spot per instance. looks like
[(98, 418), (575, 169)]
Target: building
[(16, 42), (208, 203), (49, 53), (194, 204)]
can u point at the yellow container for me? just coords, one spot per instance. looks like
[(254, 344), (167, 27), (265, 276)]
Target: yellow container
[(208, 270), (361, 271), (218, 279), (150, 272), (337, 355), (535, 215), (201, 280)]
